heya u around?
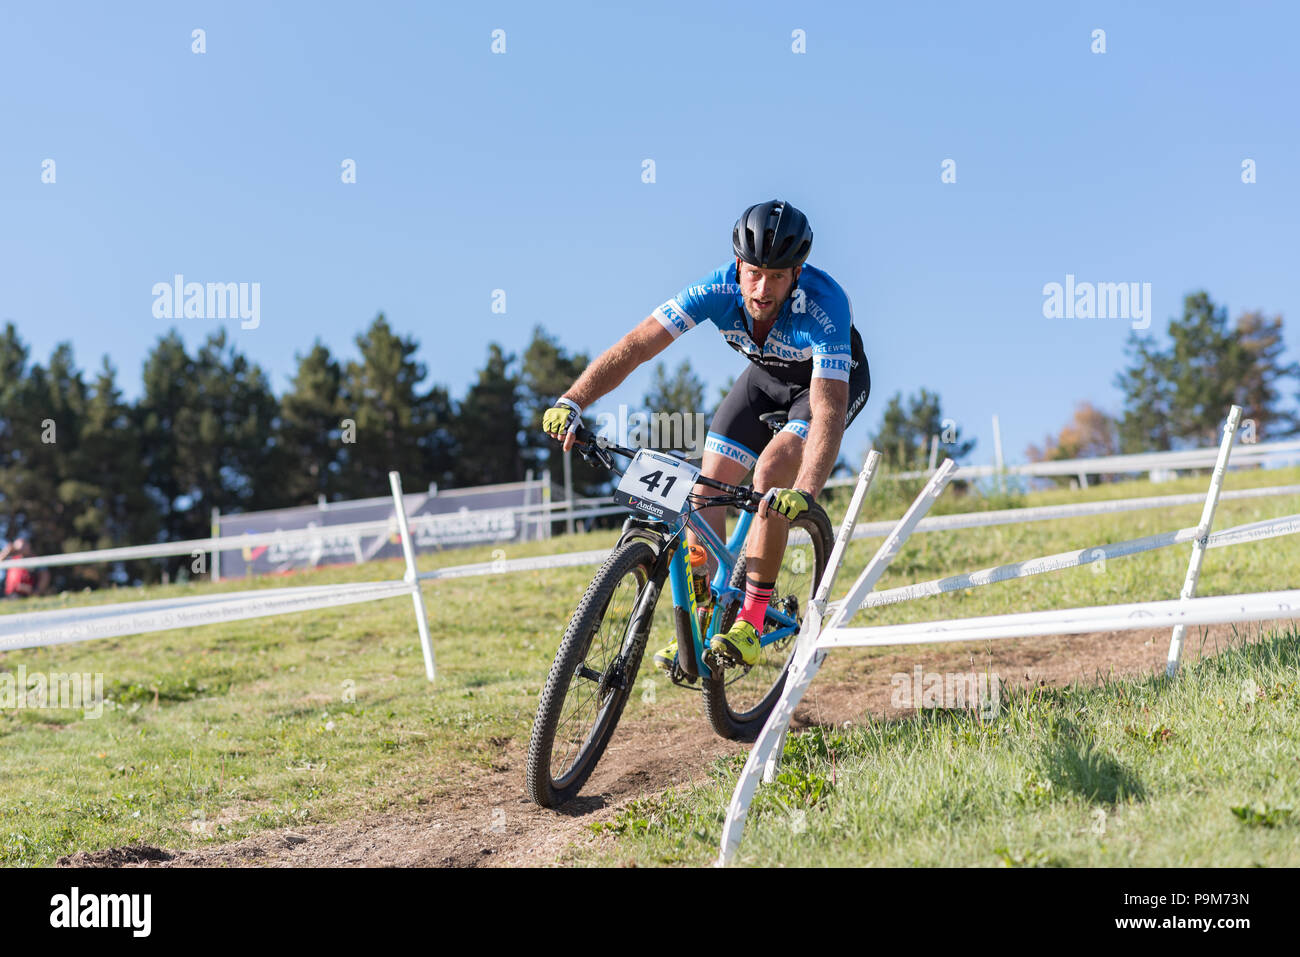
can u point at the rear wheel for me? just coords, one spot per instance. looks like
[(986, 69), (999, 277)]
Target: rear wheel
[(592, 675), (739, 698)]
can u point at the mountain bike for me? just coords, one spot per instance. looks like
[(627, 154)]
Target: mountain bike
[(596, 666)]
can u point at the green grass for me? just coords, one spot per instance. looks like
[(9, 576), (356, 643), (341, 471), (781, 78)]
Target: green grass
[(213, 733), (1199, 772)]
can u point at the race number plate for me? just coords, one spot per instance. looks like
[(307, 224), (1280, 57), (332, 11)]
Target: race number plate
[(655, 485)]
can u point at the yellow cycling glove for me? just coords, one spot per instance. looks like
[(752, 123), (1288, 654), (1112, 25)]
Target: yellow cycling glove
[(562, 418)]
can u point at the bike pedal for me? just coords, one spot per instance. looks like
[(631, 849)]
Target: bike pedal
[(682, 679), (718, 660)]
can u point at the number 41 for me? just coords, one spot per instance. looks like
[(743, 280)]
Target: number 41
[(651, 482)]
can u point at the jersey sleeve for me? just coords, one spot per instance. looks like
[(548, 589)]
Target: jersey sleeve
[(832, 321), (695, 304)]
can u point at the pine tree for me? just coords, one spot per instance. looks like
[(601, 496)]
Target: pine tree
[(60, 397), (489, 426), (310, 428), (164, 415), (393, 420), (13, 378), (207, 425), (1207, 363), (547, 372), (118, 512), (1146, 425), (906, 432), (236, 450), (1259, 391), (1179, 395)]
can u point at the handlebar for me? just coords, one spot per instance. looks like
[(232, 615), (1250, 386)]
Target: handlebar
[(591, 446)]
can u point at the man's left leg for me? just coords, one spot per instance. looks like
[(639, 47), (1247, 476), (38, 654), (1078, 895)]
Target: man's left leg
[(764, 547), (778, 467)]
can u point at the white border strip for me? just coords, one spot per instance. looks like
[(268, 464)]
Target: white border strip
[(1010, 516), (68, 625), (1222, 609), (1041, 513), (1116, 464), (1256, 531)]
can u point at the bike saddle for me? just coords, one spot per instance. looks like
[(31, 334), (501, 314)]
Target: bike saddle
[(774, 420)]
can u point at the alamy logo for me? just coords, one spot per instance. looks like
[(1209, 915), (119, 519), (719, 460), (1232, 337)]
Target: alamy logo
[(958, 691), (179, 299), (1102, 300), (685, 431), (103, 910), (55, 691)]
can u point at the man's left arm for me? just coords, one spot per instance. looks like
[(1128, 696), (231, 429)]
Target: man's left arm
[(830, 404)]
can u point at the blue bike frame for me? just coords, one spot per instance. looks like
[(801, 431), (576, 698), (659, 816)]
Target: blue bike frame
[(723, 593)]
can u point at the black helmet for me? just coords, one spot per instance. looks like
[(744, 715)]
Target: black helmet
[(772, 235)]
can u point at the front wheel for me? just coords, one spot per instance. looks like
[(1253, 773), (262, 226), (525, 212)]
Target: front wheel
[(739, 698), (592, 675)]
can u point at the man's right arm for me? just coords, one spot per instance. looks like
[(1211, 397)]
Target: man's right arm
[(611, 367)]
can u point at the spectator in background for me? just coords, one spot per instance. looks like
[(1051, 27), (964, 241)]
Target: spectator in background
[(23, 582)]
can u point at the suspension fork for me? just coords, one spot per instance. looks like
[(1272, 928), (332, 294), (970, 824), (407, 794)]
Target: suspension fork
[(643, 616)]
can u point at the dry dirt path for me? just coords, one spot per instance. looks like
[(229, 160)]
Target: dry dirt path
[(487, 821)]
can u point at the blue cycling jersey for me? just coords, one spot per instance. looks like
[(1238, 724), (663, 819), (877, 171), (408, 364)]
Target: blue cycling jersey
[(809, 340)]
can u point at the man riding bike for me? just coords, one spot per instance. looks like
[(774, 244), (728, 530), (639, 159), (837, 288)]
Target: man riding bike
[(795, 325)]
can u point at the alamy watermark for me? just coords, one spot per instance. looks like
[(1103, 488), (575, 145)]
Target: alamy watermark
[(54, 691), (179, 299), (683, 431), (1101, 300), (949, 691)]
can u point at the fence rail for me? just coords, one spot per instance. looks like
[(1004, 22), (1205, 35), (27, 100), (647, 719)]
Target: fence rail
[(815, 639)]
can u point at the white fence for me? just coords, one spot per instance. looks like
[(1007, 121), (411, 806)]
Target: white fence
[(25, 629), (1257, 453), (66, 625), (815, 641)]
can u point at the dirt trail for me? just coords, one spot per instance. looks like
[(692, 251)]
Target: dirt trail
[(487, 820)]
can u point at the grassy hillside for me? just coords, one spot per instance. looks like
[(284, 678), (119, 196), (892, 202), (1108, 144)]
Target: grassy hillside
[(211, 733), (1198, 772)]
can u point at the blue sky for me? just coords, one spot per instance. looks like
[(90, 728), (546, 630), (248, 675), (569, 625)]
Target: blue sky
[(522, 172)]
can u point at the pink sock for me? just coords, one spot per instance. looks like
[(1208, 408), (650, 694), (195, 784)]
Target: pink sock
[(754, 610)]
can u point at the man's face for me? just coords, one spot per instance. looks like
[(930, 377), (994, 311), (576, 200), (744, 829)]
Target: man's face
[(764, 290), (20, 546)]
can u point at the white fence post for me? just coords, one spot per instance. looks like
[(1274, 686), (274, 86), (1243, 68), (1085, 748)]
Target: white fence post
[(216, 552), (412, 576), (812, 623), (1202, 533), (808, 659)]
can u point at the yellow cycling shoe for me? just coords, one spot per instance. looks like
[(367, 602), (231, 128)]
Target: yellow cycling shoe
[(740, 645), (666, 657)]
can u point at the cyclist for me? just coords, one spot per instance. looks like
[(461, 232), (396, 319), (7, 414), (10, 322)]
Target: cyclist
[(793, 322)]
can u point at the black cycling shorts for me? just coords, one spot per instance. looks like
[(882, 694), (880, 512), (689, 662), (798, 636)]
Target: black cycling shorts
[(739, 434)]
